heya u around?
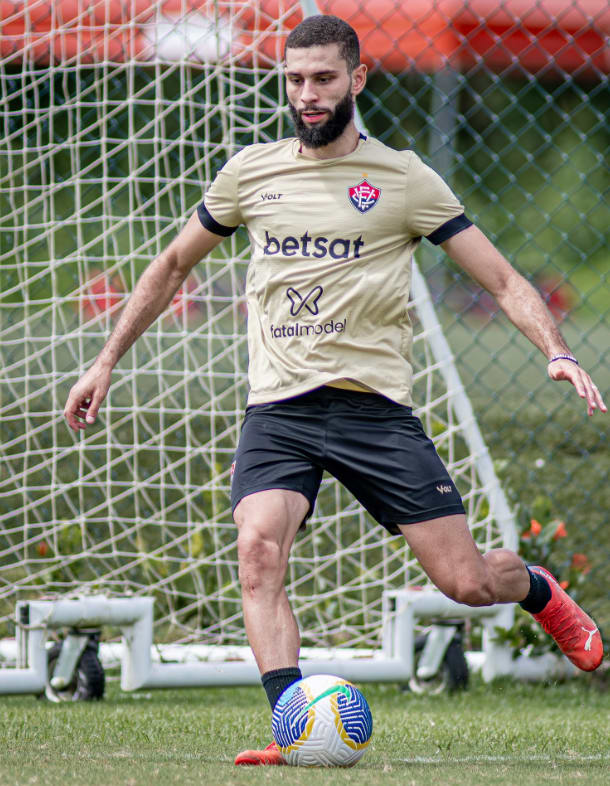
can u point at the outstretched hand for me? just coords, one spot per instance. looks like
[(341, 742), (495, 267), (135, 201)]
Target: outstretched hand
[(567, 370), (86, 397)]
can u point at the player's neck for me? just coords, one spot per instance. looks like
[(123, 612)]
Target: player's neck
[(342, 146)]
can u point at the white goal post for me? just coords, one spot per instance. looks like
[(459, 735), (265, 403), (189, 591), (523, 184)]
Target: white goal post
[(105, 148)]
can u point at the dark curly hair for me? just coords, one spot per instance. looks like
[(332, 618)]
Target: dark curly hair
[(323, 29)]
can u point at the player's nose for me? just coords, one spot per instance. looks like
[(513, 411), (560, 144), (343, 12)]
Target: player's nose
[(308, 92)]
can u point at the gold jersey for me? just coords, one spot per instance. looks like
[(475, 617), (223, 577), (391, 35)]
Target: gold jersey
[(330, 272)]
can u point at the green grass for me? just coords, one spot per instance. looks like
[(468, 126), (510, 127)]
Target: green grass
[(501, 734)]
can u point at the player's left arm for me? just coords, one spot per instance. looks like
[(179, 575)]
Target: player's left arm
[(475, 254)]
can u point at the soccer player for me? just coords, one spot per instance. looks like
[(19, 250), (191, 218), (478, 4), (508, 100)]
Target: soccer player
[(334, 217)]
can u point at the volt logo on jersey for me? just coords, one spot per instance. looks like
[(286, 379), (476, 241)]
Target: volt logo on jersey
[(364, 196), (298, 302)]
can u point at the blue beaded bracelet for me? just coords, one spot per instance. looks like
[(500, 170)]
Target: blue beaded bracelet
[(571, 358)]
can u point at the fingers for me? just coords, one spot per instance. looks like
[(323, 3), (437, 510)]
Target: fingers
[(597, 397), (85, 399), (93, 407), (569, 371), (588, 393), (76, 410)]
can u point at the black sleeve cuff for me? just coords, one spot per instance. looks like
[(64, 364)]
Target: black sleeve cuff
[(449, 229), (211, 224)]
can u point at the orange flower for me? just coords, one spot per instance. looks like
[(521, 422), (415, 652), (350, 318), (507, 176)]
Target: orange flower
[(561, 531), (580, 562), (535, 527), (564, 584)]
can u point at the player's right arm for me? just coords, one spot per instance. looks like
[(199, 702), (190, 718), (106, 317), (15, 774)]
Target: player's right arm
[(152, 294)]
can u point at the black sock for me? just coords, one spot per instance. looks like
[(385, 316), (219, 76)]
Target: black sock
[(275, 682), (539, 594)]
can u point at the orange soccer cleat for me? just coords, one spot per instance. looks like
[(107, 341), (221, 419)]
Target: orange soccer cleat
[(270, 756), (574, 631)]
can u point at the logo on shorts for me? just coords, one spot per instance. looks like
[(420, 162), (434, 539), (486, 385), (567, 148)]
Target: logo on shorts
[(444, 489), (364, 196), (309, 301)]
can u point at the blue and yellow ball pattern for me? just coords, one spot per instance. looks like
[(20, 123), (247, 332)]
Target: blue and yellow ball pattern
[(322, 721)]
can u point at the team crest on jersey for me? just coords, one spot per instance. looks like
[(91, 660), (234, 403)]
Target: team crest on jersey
[(364, 196)]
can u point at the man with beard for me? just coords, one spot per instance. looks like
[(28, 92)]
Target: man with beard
[(334, 218)]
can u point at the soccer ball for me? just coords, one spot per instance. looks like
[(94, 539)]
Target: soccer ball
[(322, 721)]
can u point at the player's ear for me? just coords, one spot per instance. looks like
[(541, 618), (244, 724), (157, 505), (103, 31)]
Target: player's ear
[(358, 79)]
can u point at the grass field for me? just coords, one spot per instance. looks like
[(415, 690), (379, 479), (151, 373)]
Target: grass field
[(505, 733)]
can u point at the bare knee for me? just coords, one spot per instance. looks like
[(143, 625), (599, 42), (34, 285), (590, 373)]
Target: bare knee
[(498, 578), (267, 522), (473, 591), (260, 561)]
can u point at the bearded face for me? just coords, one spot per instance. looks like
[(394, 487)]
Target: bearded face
[(317, 126)]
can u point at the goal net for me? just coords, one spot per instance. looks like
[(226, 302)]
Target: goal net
[(114, 118)]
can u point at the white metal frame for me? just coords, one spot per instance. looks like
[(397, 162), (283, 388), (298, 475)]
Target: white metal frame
[(134, 616)]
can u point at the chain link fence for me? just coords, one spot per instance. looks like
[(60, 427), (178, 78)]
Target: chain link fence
[(522, 137), (508, 102), (516, 119)]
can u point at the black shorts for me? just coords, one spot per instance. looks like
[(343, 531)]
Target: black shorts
[(375, 447)]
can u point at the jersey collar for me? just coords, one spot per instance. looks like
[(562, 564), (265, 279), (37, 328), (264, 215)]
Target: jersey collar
[(298, 148)]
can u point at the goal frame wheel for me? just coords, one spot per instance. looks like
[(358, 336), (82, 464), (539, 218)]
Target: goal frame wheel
[(452, 675), (88, 681)]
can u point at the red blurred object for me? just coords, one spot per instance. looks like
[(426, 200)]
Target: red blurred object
[(559, 296), (580, 562), (535, 529), (561, 531), (101, 295), (184, 302), (548, 34), (570, 35)]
